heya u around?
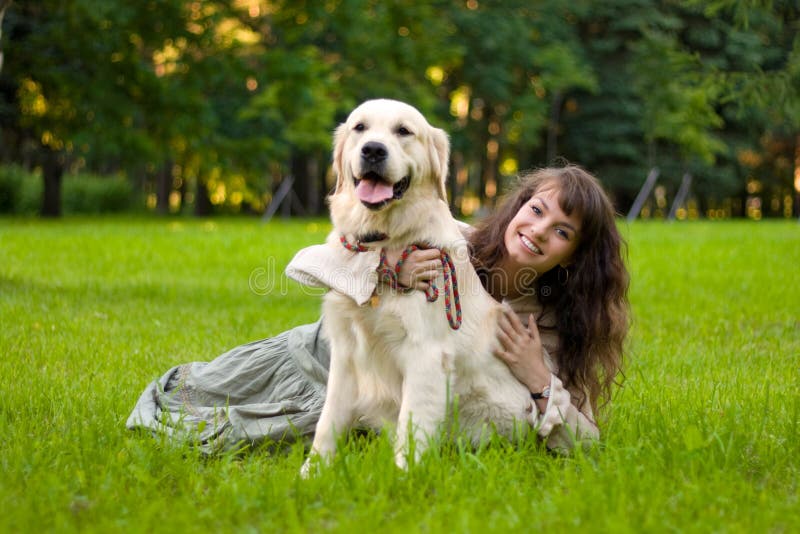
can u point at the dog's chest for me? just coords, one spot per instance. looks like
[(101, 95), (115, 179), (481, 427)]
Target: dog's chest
[(391, 332), (407, 318)]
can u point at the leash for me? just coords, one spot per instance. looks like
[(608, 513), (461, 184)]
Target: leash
[(390, 274)]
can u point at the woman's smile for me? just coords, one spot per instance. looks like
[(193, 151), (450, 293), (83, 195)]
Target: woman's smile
[(530, 245)]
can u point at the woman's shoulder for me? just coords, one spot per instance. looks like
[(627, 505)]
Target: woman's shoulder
[(465, 229)]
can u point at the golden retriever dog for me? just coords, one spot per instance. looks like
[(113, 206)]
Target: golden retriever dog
[(403, 361)]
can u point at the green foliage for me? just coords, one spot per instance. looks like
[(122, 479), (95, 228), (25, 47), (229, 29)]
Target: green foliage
[(704, 435), (604, 131), (678, 106), (296, 101), (87, 193), (682, 115), (193, 95), (20, 190), (11, 179)]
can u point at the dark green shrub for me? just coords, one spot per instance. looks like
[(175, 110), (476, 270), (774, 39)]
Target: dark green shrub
[(30, 199), (20, 190), (89, 193), (10, 188)]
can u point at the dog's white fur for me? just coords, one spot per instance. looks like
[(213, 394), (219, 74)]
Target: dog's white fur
[(399, 362)]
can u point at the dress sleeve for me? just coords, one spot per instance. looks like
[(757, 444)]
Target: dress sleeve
[(565, 423), (332, 266)]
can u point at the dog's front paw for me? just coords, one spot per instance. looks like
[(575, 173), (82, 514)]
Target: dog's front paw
[(401, 460), (311, 466), (307, 470)]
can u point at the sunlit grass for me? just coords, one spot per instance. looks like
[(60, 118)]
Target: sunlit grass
[(703, 437)]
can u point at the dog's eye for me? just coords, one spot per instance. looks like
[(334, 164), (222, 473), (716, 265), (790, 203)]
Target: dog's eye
[(360, 127), (402, 130)]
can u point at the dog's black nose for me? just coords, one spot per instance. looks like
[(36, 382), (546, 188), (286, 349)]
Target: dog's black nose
[(374, 152)]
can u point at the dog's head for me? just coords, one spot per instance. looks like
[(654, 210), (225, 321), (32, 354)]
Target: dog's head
[(385, 152)]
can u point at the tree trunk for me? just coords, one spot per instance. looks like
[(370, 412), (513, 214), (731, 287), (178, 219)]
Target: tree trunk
[(202, 204), (304, 168), (3, 5), (52, 172), (316, 187), (553, 127), (163, 187)]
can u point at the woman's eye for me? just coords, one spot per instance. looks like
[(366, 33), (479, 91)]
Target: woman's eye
[(536, 209), (359, 127), (562, 233)]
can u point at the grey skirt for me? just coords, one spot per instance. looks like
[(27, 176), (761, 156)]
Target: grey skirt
[(265, 391)]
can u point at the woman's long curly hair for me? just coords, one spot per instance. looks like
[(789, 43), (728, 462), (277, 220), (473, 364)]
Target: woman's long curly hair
[(591, 308)]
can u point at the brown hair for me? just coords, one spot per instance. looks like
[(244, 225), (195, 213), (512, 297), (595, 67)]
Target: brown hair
[(591, 308)]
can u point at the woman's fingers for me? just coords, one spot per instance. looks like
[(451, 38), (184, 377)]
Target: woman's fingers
[(427, 274), (513, 338), (512, 323), (533, 329), (505, 326), (515, 322), (520, 348), (423, 254), (420, 268), (418, 279), (513, 319)]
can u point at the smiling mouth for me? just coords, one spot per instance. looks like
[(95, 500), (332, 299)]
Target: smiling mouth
[(530, 245), (374, 191)]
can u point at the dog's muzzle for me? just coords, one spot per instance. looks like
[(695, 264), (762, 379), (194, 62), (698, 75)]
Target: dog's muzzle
[(373, 188)]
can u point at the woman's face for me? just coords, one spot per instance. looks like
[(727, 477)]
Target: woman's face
[(541, 236)]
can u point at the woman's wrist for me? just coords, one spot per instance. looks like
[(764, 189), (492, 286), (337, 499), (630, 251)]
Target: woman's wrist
[(539, 394), (539, 379)]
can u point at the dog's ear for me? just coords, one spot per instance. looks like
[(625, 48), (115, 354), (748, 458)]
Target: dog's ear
[(440, 159), (339, 138)]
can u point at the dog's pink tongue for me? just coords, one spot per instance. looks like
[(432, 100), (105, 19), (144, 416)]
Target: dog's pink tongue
[(373, 191)]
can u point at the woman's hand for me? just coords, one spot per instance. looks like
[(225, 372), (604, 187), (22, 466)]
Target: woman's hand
[(419, 268), (521, 349)]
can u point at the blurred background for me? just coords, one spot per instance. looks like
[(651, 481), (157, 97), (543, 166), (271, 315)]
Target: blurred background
[(207, 107)]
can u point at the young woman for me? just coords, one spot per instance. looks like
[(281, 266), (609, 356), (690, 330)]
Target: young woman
[(551, 250)]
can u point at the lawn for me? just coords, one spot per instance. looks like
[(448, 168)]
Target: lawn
[(703, 437)]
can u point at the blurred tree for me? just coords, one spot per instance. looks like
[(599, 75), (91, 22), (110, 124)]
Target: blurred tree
[(708, 81), (683, 86), (321, 59), (604, 130), (760, 89), (75, 95), (677, 107), (137, 94), (213, 103), (506, 87), (3, 6)]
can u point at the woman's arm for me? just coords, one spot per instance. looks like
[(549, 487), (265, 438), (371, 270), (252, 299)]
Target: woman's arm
[(334, 267), (559, 419), (355, 273)]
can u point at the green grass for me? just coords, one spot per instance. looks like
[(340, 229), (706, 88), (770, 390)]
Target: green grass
[(703, 437)]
